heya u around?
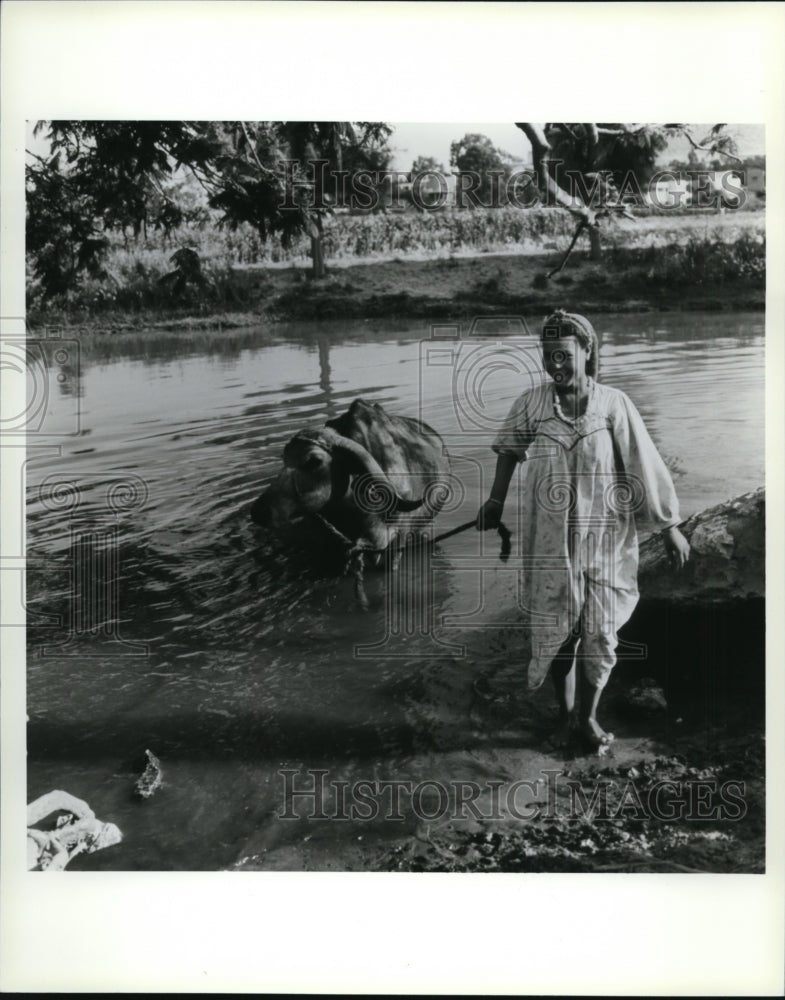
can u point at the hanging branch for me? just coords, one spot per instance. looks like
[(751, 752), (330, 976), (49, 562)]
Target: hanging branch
[(714, 148), (589, 133), (560, 267), (263, 169), (541, 150)]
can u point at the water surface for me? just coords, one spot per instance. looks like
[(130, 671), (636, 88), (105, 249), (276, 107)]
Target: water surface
[(232, 659)]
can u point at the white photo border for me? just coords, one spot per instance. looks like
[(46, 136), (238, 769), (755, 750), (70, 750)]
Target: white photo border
[(397, 933)]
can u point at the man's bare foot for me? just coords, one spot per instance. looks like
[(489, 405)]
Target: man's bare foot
[(595, 735)]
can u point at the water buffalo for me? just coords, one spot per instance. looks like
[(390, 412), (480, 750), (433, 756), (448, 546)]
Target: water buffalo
[(369, 477)]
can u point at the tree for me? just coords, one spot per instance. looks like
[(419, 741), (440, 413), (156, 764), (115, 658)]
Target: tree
[(756, 162), (607, 155), (603, 154), (331, 145), (476, 155), (692, 163), (104, 177), (426, 165), (98, 178)]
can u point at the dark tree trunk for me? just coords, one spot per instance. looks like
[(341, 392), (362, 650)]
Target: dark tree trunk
[(317, 250), (553, 194), (595, 246)]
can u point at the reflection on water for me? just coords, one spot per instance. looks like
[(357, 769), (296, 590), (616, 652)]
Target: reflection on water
[(232, 658)]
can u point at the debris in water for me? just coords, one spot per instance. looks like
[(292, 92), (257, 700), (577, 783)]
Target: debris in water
[(151, 778)]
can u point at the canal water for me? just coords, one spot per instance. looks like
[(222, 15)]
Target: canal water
[(160, 618)]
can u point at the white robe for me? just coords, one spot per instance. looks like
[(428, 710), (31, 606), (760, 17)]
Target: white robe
[(581, 487)]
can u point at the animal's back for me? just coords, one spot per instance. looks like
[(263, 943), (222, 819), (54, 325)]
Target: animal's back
[(410, 451)]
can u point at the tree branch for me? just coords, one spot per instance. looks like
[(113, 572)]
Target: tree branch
[(710, 149), (40, 159), (541, 150), (581, 226), (264, 170), (593, 134), (570, 132)]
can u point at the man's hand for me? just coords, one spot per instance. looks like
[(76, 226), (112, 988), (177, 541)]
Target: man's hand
[(677, 547), (490, 515)]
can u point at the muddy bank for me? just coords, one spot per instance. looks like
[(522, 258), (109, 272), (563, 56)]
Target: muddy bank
[(682, 787), (666, 811), (727, 558), (489, 284), (454, 288), (687, 794), (672, 796)]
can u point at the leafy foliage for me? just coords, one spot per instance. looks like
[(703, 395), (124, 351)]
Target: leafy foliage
[(425, 165), (695, 162), (612, 147), (103, 177), (475, 153), (604, 159)]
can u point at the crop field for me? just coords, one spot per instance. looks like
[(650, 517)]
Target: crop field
[(241, 271), (510, 230)]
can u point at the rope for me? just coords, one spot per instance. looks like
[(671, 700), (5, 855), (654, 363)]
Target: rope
[(504, 533), (354, 556)]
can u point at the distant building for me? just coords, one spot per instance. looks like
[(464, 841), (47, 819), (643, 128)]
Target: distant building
[(670, 191), (720, 188)]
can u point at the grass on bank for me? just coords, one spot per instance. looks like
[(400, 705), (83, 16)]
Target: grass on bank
[(243, 276)]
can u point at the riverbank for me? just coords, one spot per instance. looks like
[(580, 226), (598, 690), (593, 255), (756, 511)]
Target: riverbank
[(694, 804), (680, 789), (674, 794), (683, 788), (711, 276)]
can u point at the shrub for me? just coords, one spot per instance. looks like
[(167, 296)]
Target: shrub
[(666, 247)]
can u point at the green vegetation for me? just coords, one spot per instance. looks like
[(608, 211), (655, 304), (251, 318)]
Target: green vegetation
[(151, 221), (134, 224), (476, 154), (698, 262), (414, 264), (105, 179)]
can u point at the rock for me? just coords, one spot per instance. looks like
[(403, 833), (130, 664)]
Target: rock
[(727, 558), (151, 778), (646, 696)]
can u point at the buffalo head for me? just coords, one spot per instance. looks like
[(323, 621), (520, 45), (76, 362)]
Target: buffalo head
[(327, 473)]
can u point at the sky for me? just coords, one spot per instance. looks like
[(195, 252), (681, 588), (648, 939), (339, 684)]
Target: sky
[(410, 140)]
